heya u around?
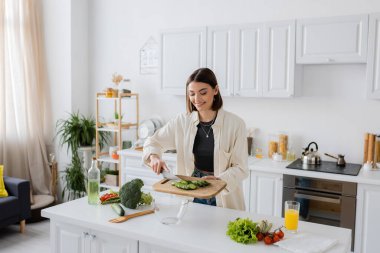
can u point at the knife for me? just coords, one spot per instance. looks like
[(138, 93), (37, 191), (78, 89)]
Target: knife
[(167, 174)]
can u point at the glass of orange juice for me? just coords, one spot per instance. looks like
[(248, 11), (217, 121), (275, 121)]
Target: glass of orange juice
[(292, 210)]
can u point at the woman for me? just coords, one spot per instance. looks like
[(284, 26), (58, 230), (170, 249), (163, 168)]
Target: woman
[(210, 142)]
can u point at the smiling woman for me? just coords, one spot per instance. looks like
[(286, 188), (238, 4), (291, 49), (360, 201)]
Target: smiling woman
[(210, 142), (23, 95)]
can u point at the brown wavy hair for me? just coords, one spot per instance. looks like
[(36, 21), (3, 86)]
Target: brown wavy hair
[(203, 75)]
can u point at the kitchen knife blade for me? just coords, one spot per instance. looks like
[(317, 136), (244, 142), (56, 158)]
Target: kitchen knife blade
[(168, 175)]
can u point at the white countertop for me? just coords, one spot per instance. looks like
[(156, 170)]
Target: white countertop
[(267, 165), (203, 228)]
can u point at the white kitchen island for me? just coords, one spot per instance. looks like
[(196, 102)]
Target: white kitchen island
[(78, 227)]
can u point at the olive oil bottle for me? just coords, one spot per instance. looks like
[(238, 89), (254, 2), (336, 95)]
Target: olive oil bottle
[(93, 183)]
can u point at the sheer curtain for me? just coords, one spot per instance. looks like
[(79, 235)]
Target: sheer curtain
[(23, 94)]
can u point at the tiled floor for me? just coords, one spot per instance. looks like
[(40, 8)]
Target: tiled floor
[(34, 240)]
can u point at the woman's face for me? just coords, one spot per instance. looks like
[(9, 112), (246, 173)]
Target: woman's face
[(201, 95)]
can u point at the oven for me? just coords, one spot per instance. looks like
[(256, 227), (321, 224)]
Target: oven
[(323, 201)]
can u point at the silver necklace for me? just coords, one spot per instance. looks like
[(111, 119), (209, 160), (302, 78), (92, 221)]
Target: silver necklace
[(208, 132)]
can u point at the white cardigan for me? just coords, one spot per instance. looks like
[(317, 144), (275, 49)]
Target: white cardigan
[(230, 151)]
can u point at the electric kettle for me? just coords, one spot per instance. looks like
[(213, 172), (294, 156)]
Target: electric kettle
[(309, 156)]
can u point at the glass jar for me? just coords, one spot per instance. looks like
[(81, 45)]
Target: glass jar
[(109, 93), (290, 155), (259, 153)]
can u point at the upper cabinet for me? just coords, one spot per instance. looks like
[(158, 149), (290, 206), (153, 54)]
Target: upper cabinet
[(278, 61), (221, 43), (182, 52), (254, 60), (258, 60), (265, 60), (249, 62), (373, 64), (332, 40)]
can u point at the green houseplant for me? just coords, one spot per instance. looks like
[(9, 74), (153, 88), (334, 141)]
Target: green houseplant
[(77, 131)]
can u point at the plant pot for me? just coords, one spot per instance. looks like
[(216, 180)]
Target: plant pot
[(112, 180)]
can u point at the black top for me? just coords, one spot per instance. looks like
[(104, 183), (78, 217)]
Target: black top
[(203, 148)]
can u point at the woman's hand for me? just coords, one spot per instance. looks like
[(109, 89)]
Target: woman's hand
[(210, 178), (157, 164)]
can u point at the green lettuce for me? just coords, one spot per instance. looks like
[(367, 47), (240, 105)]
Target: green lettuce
[(243, 230)]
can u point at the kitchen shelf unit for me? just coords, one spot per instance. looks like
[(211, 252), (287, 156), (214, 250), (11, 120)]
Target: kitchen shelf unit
[(117, 127)]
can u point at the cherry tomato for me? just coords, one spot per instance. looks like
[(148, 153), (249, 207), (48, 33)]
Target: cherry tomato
[(106, 196), (280, 234), (268, 240), (259, 236), (276, 238)]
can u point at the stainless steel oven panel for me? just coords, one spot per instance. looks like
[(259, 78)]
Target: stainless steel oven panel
[(287, 194), (347, 218), (317, 198), (345, 188)]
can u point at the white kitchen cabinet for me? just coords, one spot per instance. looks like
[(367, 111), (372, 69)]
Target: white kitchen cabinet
[(367, 218), (76, 239), (265, 193), (182, 52), (253, 60), (106, 243), (133, 167), (249, 62), (221, 44), (373, 63), (151, 248), (332, 40), (246, 192), (278, 59)]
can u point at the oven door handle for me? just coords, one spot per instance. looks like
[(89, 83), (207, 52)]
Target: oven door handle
[(317, 198)]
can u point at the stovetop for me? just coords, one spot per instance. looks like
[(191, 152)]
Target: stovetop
[(350, 169)]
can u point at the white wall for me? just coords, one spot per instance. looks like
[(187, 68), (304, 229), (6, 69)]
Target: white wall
[(57, 35), (65, 27), (79, 56), (331, 109)]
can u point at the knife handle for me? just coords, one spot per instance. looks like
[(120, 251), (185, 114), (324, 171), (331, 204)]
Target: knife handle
[(164, 181), (130, 216)]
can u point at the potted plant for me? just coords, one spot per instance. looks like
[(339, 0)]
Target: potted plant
[(77, 131)]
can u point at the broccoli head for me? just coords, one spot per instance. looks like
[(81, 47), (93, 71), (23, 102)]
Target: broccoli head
[(146, 199), (130, 193)]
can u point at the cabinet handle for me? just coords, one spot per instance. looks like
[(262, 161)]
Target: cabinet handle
[(318, 198)]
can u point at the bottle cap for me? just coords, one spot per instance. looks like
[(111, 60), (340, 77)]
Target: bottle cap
[(94, 158)]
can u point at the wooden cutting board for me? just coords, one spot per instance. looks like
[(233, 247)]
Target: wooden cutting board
[(215, 186)]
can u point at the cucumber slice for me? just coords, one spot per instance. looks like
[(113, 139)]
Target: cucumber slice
[(118, 209)]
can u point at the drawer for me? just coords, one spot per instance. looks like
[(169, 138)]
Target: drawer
[(148, 181), (133, 162), (138, 171)]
